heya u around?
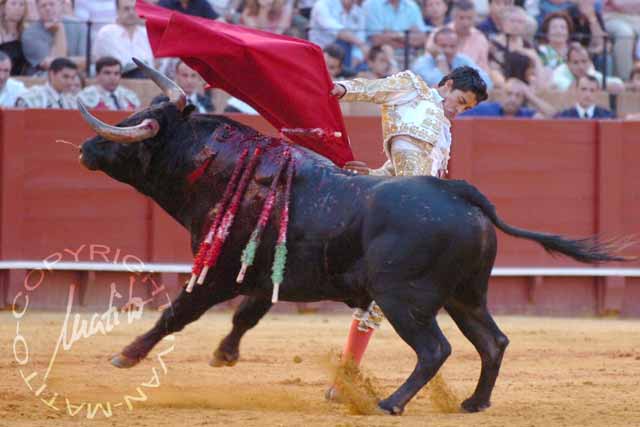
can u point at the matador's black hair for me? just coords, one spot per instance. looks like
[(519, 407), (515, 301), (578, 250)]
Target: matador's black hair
[(467, 79)]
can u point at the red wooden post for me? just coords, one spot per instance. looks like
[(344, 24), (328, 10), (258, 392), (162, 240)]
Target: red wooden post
[(609, 209)]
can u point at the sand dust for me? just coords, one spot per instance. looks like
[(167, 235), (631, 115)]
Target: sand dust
[(556, 372)]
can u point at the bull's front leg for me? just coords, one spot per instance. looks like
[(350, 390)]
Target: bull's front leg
[(186, 308), (247, 315)]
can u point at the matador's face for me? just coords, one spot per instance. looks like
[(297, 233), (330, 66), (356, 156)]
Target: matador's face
[(457, 101)]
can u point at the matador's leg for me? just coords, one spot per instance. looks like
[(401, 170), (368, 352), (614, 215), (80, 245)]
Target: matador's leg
[(362, 326)]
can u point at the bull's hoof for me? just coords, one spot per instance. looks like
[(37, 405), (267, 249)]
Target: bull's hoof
[(472, 405), (390, 409), (122, 361), (333, 395), (221, 358)]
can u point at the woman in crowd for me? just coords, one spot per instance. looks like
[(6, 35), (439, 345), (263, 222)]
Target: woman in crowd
[(556, 29), (13, 15), (268, 15)]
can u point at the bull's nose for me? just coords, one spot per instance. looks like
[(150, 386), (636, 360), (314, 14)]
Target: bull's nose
[(83, 160)]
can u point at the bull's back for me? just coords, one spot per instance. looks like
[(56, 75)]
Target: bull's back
[(421, 222)]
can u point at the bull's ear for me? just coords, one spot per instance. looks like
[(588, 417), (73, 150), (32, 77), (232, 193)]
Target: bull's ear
[(188, 110)]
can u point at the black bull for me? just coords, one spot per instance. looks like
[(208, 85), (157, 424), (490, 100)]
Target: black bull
[(414, 245)]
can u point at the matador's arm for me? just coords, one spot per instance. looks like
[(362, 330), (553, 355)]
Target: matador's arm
[(388, 90)]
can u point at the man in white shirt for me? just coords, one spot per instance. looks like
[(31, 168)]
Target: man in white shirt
[(341, 21), (107, 94), (125, 39), (579, 65), (10, 89), (56, 93)]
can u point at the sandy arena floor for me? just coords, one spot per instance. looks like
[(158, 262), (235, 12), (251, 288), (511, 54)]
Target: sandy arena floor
[(557, 372)]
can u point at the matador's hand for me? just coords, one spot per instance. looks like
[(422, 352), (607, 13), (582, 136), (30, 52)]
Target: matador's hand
[(360, 168), (338, 91)]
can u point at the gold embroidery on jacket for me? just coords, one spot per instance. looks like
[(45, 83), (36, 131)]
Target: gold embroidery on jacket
[(412, 163)]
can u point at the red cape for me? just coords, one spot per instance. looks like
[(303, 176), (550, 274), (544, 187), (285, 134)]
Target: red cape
[(283, 78)]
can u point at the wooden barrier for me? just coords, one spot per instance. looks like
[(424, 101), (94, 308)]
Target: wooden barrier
[(575, 178)]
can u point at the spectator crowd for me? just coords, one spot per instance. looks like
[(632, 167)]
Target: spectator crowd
[(70, 50)]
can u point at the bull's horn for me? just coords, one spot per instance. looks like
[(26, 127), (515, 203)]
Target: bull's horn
[(168, 86), (124, 135)]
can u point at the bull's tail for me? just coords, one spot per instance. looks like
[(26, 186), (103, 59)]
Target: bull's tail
[(589, 250)]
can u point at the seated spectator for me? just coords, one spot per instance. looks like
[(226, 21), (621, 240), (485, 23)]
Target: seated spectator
[(190, 7), (10, 89), (388, 20), (53, 36), (124, 40), (509, 47), (514, 100), (334, 57), (556, 29), (586, 107), (471, 41), (579, 65), (588, 27), (13, 14), (78, 84), (98, 12), (493, 23), (107, 93), (341, 22), (268, 15), (56, 93), (435, 13), (191, 83), (444, 57), (622, 21), (633, 85), (380, 63)]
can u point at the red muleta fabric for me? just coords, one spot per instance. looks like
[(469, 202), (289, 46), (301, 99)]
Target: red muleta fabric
[(283, 78)]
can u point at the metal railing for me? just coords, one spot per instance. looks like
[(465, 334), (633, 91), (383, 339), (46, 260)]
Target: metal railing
[(186, 269)]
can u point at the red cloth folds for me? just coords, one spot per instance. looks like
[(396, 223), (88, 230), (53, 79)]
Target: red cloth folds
[(283, 78)]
